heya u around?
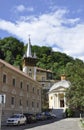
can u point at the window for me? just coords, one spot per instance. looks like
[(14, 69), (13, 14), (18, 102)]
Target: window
[(33, 90), (49, 75), (13, 81), (37, 105), (27, 103), (20, 102), (4, 78), (38, 91), (43, 85), (21, 84), (43, 78), (27, 87), (30, 70), (32, 104), (61, 103), (30, 74), (3, 98), (12, 100)]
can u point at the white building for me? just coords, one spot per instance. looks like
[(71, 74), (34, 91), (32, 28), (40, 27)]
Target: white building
[(57, 99)]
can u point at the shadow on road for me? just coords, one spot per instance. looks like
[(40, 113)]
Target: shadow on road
[(28, 126)]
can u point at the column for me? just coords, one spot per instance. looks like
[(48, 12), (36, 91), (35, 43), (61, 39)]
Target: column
[(34, 73), (57, 100), (64, 101), (54, 101)]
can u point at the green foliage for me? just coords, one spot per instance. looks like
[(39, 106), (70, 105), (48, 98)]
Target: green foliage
[(48, 59), (40, 51), (12, 50), (75, 93), (69, 112), (82, 123)]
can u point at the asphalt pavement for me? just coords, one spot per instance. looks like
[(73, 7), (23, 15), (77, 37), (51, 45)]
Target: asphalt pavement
[(54, 124)]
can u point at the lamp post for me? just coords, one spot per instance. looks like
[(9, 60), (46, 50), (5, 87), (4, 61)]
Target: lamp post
[(2, 101), (0, 114)]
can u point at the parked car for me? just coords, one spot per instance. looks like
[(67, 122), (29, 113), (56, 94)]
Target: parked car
[(53, 115), (30, 117), (48, 115), (16, 119), (40, 116)]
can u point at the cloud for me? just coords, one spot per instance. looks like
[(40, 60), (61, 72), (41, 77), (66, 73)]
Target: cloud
[(53, 29), (22, 8)]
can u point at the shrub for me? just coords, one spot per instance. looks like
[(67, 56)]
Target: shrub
[(69, 112)]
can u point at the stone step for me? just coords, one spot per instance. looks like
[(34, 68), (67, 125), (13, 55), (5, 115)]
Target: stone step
[(58, 112)]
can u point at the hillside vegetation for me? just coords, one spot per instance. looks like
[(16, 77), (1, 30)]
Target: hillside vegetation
[(12, 51)]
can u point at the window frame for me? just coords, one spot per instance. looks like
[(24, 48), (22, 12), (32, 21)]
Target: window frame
[(12, 100), (21, 84), (4, 78), (13, 81)]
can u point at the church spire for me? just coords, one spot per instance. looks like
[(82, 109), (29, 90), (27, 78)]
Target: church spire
[(29, 54), (29, 62)]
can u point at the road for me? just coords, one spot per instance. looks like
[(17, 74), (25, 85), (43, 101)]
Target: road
[(61, 124)]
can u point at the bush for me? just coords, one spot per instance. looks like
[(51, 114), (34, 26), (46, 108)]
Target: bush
[(69, 112)]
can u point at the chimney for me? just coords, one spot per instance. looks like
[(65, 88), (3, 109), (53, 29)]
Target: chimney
[(63, 77)]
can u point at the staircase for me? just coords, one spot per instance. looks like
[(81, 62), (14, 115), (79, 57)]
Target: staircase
[(58, 112)]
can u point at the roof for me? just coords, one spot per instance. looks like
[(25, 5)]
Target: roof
[(62, 83), (44, 70)]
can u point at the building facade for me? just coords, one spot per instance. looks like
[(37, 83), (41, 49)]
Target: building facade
[(45, 78), (22, 93)]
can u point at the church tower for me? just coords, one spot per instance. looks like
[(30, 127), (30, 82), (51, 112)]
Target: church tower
[(29, 62)]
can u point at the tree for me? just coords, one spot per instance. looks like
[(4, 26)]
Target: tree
[(10, 49), (75, 93)]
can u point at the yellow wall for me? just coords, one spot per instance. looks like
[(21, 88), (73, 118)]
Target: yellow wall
[(23, 94)]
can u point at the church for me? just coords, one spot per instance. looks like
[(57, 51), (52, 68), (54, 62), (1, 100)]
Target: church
[(57, 99)]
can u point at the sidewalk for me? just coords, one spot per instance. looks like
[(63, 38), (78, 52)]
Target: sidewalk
[(80, 125)]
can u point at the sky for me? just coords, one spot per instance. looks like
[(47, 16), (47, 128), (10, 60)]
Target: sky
[(53, 23)]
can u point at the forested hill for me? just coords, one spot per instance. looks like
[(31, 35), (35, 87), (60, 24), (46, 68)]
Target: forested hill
[(12, 51)]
